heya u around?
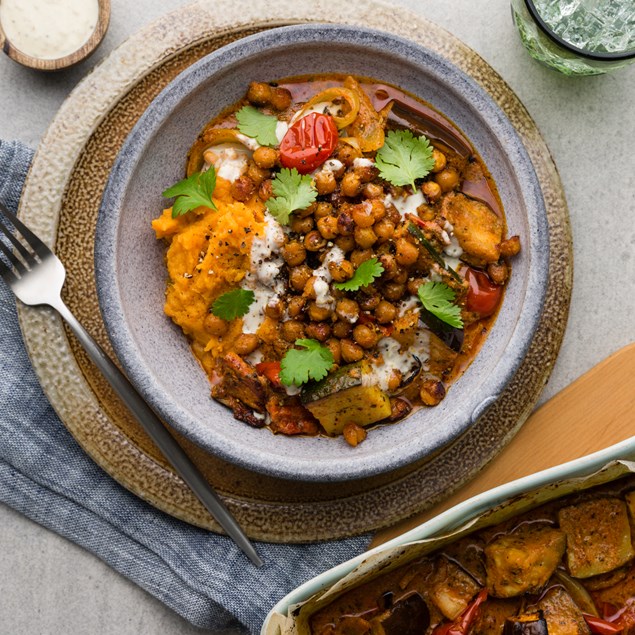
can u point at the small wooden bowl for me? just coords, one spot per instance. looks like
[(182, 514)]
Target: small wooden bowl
[(81, 53)]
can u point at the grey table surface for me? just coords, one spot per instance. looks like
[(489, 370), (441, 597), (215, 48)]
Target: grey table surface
[(49, 585)]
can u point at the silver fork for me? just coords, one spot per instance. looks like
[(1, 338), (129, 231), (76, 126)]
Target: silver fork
[(36, 276)]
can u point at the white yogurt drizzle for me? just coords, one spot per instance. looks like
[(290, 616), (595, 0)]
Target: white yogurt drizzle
[(323, 297), (48, 30), (406, 204), (231, 160), (264, 269)]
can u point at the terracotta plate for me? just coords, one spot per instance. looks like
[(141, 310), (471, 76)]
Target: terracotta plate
[(61, 201)]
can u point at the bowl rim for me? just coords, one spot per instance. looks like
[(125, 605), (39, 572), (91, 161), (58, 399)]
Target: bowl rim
[(111, 306)]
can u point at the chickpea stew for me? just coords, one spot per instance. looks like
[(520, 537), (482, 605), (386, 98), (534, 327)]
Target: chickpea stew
[(564, 568), (337, 255)]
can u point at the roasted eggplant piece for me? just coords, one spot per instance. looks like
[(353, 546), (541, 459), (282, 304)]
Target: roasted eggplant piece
[(449, 335), (531, 624), (409, 616)]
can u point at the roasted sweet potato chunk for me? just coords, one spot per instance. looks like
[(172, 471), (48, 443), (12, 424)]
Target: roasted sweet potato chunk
[(477, 228), (598, 536), (524, 560)]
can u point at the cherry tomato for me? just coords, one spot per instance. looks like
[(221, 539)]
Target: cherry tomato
[(309, 142), (483, 295), (271, 370), (600, 626)]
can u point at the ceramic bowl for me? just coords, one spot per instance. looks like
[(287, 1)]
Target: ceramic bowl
[(131, 274)]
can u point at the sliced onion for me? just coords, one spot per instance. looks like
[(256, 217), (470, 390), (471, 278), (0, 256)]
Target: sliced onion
[(330, 95), (577, 592), (214, 137)]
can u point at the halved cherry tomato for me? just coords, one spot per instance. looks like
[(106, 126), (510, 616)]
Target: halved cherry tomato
[(600, 626), (483, 295), (309, 142), (271, 370), (461, 624)]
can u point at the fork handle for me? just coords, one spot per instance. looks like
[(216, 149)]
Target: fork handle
[(160, 435)]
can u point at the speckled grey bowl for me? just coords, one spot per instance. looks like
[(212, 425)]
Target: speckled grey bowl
[(131, 274)]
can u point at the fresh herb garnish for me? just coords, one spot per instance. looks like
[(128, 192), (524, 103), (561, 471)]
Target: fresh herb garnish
[(311, 361), (292, 191), (438, 298), (364, 275), (233, 304), (404, 158), (256, 124), (194, 191)]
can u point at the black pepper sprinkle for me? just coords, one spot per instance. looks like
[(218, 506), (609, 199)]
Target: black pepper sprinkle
[(229, 231), (247, 230)]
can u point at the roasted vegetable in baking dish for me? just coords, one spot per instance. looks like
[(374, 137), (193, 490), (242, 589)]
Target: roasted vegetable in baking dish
[(564, 568)]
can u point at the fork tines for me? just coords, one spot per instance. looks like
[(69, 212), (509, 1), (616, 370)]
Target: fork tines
[(23, 262)]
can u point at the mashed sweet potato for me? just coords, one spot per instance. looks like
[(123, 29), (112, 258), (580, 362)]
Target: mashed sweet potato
[(208, 255)]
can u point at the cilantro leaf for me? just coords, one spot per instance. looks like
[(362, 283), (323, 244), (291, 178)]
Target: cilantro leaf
[(437, 298), (194, 191), (233, 304), (311, 361), (364, 275), (291, 191), (256, 124), (404, 158)]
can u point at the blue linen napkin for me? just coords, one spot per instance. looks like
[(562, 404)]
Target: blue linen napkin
[(45, 475)]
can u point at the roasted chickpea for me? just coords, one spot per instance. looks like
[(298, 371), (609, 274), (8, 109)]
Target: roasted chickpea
[(265, 191), (407, 253), (259, 93), (439, 160), (319, 331), (345, 243), (336, 351), (363, 215), (498, 272), (299, 276), (347, 309), (365, 237), (425, 212), (354, 434), (369, 301), (341, 271), (447, 179), (256, 174), (394, 381), (378, 209), (384, 230), (323, 209), (360, 255), (314, 241), (351, 185), (294, 253), (275, 310), (318, 313), (413, 285), (292, 330), (351, 352), (325, 182), (265, 157), (432, 191), (393, 215), (373, 190), (342, 329), (309, 290), (385, 312), (432, 392), (365, 335), (401, 277), (366, 173), (246, 343), (280, 98), (347, 154), (327, 227), (510, 247), (242, 188), (295, 305), (394, 290), (301, 225), (345, 224), (214, 325), (389, 263)]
